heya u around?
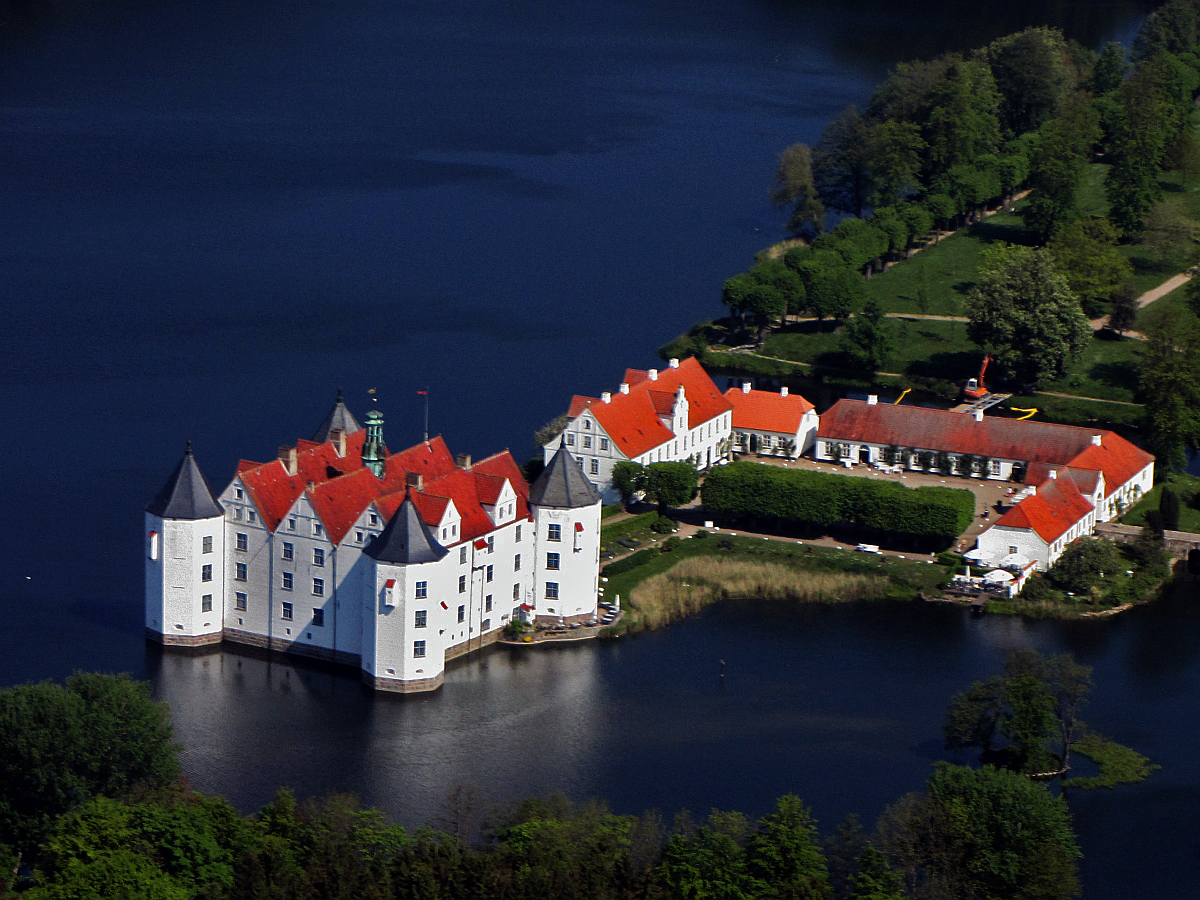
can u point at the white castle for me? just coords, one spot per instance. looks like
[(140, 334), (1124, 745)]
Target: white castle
[(395, 563)]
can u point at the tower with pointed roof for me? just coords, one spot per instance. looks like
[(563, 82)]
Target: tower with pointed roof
[(185, 559), (565, 506), (339, 419)]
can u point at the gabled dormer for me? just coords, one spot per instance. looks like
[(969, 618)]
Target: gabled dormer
[(239, 505), (679, 411), (449, 526), (503, 509)]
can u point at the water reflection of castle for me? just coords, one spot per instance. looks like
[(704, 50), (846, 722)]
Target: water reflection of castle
[(396, 563)]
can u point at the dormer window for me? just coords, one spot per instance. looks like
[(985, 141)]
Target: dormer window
[(239, 494), (292, 523), (587, 423), (374, 519)]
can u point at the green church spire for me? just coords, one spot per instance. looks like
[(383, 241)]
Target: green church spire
[(374, 452)]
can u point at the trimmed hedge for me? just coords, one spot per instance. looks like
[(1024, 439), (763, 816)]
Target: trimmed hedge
[(827, 501)]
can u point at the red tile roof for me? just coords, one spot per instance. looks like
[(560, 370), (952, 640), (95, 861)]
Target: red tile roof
[(953, 432), (767, 410), (1118, 459), (634, 420), (579, 403), (1050, 512)]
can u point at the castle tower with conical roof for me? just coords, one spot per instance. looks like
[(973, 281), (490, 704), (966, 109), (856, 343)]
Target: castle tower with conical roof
[(374, 452), (565, 507), (185, 565)]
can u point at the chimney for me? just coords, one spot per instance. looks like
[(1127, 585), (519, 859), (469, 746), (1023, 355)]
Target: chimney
[(337, 437), (287, 456), (979, 415), (311, 484), (624, 387), (463, 461), (606, 397), (783, 391), (1054, 473), (745, 387), (414, 480), (674, 363), (872, 400), (1098, 439), (653, 373)]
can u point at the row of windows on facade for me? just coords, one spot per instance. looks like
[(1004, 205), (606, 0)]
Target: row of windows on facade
[(832, 449), (587, 439), (241, 540)]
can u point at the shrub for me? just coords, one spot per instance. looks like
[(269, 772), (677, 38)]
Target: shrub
[(824, 501), (670, 544), (663, 525)]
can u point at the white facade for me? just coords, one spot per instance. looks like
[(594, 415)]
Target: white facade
[(232, 577)]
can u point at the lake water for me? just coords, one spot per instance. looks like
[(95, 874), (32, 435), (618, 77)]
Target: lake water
[(212, 215)]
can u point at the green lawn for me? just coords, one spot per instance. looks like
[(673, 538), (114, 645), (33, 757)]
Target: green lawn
[(1108, 370), (1177, 298), (1187, 487)]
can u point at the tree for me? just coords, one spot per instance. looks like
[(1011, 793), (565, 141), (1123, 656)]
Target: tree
[(895, 154), (1022, 311), (794, 186), (1170, 384), (551, 429), (629, 478), (711, 862), (964, 123), (875, 879), (942, 208), (671, 484), (785, 855), (1172, 27), (735, 294), (99, 735), (1123, 307), (766, 303), (1110, 69), (868, 337), (778, 275), (1168, 508), (842, 163), (1087, 254), (1058, 165), (1033, 73), (1084, 563), (982, 833)]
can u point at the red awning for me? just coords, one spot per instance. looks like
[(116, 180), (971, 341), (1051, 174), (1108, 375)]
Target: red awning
[(579, 526), (390, 583), (481, 544), (526, 607), (444, 606)]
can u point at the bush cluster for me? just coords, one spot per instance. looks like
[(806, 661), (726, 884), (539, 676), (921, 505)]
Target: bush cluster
[(826, 501)]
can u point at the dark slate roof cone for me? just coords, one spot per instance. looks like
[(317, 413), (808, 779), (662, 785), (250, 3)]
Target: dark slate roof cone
[(562, 484), (407, 539), (339, 418), (186, 495)]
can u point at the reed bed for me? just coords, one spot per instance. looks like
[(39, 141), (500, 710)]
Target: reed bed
[(698, 581)]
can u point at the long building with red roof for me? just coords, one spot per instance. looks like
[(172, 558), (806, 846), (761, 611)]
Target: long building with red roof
[(771, 423), (1074, 477), (395, 562), (665, 415)]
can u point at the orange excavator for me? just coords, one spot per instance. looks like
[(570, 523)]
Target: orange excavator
[(975, 388)]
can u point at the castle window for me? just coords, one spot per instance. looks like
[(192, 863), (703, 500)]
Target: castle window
[(552, 561), (462, 584), (206, 603), (251, 515), (462, 613), (318, 617), (287, 611), (241, 542), (237, 512), (418, 649), (489, 573), (238, 494), (318, 530), (603, 443), (358, 537), (491, 543), (319, 587), (422, 590), (318, 556), (570, 440), (1012, 550), (587, 423), (292, 523), (239, 600), (206, 573), (287, 581), (587, 442), (419, 618), (516, 592), (518, 534), (462, 555), (487, 604), (239, 572), (206, 544), (595, 470), (374, 519), (551, 590), (554, 533), (517, 563), (289, 550), (487, 623)]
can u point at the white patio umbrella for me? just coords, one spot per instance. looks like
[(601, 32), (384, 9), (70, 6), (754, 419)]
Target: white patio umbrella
[(997, 576), (1014, 561), (978, 555)]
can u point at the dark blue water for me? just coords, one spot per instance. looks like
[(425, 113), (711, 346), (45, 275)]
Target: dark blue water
[(212, 215)]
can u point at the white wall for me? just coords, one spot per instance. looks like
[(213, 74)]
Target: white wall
[(175, 584)]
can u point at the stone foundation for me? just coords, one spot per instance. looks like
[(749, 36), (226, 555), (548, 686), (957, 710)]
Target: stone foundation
[(399, 686), (183, 640), (296, 648), (470, 646), (566, 620)]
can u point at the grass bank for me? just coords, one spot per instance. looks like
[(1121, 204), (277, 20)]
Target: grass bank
[(745, 567), (1187, 487), (1116, 764)]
